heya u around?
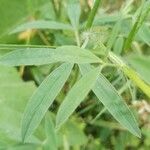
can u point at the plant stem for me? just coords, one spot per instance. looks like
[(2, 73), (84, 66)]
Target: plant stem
[(14, 46), (22, 68), (77, 37), (98, 115), (43, 38), (130, 73), (75, 77), (55, 8), (92, 14), (65, 143), (124, 87)]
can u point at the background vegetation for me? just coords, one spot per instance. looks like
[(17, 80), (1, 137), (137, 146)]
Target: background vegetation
[(37, 37)]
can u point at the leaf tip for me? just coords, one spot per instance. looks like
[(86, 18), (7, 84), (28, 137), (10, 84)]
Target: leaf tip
[(138, 133), (23, 136)]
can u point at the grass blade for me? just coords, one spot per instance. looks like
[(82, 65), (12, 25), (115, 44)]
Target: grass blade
[(145, 9), (75, 96), (107, 94), (93, 13), (43, 98), (40, 56)]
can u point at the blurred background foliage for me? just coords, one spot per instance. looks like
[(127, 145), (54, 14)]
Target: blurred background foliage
[(85, 130)]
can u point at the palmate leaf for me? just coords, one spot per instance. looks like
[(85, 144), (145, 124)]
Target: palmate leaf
[(107, 94), (43, 98), (40, 56), (75, 96), (42, 24)]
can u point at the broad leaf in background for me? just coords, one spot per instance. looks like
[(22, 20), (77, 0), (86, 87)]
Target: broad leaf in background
[(74, 12), (107, 94), (9, 20), (43, 98), (142, 65), (23, 9), (75, 96), (41, 24), (14, 94), (104, 18), (25, 147), (75, 132), (51, 141), (144, 34), (40, 56)]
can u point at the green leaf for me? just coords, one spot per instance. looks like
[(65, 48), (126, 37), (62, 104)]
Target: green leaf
[(25, 147), (114, 34), (75, 96), (40, 56), (105, 18), (144, 34), (51, 141), (143, 13), (14, 94), (19, 14), (141, 64), (110, 98), (92, 14), (135, 77), (21, 11), (74, 131), (117, 49), (74, 12), (43, 98), (41, 24)]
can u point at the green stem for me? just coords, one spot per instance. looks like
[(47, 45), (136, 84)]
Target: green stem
[(92, 14), (75, 77), (14, 46), (77, 37), (98, 115), (65, 143), (131, 74), (55, 8)]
